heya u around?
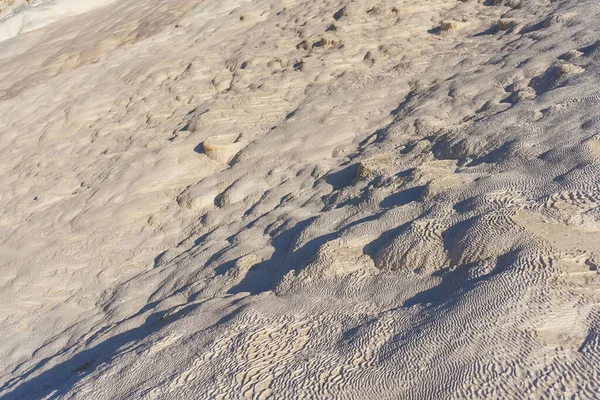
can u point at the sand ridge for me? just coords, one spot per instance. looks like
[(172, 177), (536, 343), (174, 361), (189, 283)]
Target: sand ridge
[(316, 199)]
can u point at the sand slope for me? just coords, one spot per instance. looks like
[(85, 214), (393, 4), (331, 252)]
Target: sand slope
[(23, 16), (302, 199)]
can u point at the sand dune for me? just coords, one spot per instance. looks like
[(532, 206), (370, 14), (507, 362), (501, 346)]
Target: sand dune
[(300, 199)]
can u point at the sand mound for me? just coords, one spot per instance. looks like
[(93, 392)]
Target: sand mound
[(225, 199)]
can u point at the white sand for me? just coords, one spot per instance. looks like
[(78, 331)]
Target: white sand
[(300, 199), (9, 7), (27, 15)]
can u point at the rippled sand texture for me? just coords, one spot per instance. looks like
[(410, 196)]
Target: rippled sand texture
[(302, 199)]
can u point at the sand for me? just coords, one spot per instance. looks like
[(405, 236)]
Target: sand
[(300, 199)]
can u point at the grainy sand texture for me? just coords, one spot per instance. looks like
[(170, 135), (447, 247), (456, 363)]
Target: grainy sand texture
[(316, 199)]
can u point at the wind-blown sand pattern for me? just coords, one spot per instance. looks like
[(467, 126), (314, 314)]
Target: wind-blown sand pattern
[(300, 199)]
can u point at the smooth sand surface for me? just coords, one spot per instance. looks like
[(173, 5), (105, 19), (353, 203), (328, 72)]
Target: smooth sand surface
[(219, 199)]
